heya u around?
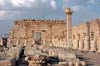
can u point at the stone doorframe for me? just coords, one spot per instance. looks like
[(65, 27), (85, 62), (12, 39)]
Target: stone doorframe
[(42, 39)]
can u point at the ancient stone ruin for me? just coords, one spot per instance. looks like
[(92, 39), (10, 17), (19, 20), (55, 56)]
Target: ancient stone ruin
[(33, 42)]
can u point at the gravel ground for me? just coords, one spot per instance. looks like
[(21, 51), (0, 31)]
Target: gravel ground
[(91, 58)]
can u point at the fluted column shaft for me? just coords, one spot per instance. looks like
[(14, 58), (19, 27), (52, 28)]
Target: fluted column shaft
[(69, 27)]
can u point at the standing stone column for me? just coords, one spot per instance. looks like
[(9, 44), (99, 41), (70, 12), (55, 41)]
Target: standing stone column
[(61, 43), (64, 43), (71, 64), (99, 45), (83, 63), (33, 42), (43, 41), (43, 37), (86, 43), (75, 44), (76, 63), (99, 48), (1, 41), (25, 42), (17, 42), (81, 45), (93, 45), (8, 42), (69, 27)]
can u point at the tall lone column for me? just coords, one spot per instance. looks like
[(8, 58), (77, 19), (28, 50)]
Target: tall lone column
[(69, 27)]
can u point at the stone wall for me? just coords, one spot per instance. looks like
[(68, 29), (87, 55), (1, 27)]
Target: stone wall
[(54, 32)]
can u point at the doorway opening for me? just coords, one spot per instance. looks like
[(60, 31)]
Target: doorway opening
[(37, 38)]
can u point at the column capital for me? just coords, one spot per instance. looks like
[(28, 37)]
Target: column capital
[(68, 11)]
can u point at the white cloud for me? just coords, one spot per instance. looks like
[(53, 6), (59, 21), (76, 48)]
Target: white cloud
[(21, 3), (33, 3), (2, 14), (44, 1), (66, 1), (95, 2), (92, 1), (7, 14), (53, 4), (76, 8), (73, 7), (2, 2)]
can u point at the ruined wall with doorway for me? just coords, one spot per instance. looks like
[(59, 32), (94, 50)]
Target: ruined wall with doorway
[(53, 32)]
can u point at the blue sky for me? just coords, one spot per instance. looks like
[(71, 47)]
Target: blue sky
[(11, 10)]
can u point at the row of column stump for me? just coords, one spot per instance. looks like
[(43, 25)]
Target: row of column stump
[(86, 45)]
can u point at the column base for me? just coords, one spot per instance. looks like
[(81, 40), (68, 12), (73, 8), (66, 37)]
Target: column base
[(71, 64), (98, 51), (86, 49), (93, 49), (76, 64)]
